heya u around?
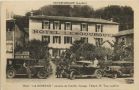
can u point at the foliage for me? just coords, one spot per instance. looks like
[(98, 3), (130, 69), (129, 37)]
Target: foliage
[(64, 10), (122, 52), (37, 49), (121, 14), (21, 21), (87, 51)]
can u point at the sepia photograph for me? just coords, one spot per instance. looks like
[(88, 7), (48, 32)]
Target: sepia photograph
[(69, 44)]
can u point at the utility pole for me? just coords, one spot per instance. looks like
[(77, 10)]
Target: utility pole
[(14, 38)]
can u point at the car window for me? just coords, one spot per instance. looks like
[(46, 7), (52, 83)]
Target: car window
[(79, 63), (116, 64), (128, 64)]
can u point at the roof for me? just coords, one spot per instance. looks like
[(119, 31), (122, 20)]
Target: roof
[(124, 32), (79, 19), (27, 59), (85, 62), (122, 62), (9, 35), (10, 20)]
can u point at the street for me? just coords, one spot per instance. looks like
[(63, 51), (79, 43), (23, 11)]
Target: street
[(52, 78), (52, 82)]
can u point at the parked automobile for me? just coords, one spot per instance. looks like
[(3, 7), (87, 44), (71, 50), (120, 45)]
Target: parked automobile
[(119, 68), (16, 67), (84, 69)]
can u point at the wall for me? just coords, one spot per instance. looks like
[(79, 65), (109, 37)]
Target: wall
[(37, 24)]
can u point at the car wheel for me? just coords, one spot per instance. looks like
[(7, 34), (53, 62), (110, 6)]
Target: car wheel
[(131, 73), (115, 75), (98, 74), (72, 75), (41, 74), (11, 73)]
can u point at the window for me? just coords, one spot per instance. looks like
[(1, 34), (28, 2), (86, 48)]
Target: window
[(123, 40), (67, 39), (55, 52), (56, 39), (85, 39), (46, 38), (68, 26), (56, 25), (45, 25), (98, 41), (84, 27), (99, 28), (9, 47)]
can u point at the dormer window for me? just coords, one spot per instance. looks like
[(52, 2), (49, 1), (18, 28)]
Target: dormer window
[(84, 27), (99, 28), (45, 25), (68, 26), (56, 25)]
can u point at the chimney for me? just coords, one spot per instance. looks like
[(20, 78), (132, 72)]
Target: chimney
[(31, 13), (111, 19)]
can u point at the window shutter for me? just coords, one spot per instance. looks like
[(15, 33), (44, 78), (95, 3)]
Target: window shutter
[(71, 25), (49, 25), (71, 40), (42, 38), (96, 27), (53, 25), (42, 25), (87, 26), (59, 39), (53, 39), (49, 39), (59, 25), (64, 26), (101, 28), (64, 40), (81, 26)]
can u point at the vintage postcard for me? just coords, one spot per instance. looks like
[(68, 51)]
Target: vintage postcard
[(69, 45)]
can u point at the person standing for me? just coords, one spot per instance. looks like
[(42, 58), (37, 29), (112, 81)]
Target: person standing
[(58, 71), (27, 67), (95, 62)]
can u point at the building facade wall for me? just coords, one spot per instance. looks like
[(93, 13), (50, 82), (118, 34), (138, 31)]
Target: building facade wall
[(14, 37), (126, 39), (36, 32)]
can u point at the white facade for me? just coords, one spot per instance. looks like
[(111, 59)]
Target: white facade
[(79, 29)]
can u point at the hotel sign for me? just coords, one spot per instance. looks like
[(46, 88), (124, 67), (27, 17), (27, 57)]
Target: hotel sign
[(50, 32)]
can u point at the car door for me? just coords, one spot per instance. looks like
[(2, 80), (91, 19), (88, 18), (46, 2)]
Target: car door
[(20, 68), (128, 68), (125, 68), (91, 69)]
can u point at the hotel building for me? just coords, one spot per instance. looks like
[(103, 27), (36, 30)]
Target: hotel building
[(60, 31)]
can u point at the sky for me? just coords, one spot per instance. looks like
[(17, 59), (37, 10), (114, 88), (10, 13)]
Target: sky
[(21, 7)]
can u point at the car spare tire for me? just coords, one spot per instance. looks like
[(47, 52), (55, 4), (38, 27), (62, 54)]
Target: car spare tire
[(72, 75), (42, 74), (11, 73), (98, 74), (114, 75)]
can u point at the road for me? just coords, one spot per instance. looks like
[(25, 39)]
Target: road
[(52, 78)]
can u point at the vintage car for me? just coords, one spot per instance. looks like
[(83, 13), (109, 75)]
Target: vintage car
[(119, 68), (16, 67), (84, 69)]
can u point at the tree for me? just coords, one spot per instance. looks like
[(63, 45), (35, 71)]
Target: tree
[(121, 14), (36, 48), (122, 52), (87, 51)]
